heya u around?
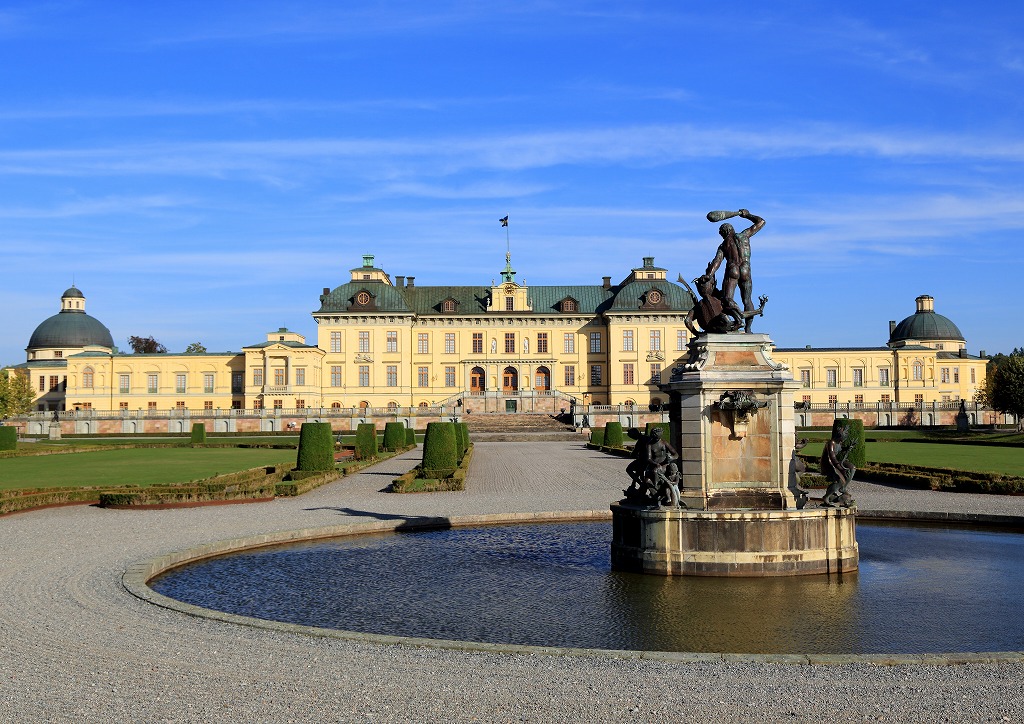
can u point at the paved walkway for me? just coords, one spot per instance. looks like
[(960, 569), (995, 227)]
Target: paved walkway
[(74, 646)]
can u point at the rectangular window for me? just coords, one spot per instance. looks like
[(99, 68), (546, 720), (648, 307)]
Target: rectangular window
[(918, 371), (257, 377), (151, 406), (300, 376), (478, 342), (58, 354), (918, 399), (570, 375), (510, 304), (42, 383), (627, 340), (122, 405), (807, 399), (257, 404), (569, 343), (805, 378), (510, 342), (208, 404), (335, 342), (179, 405), (124, 384), (956, 375), (364, 342), (237, 382), (655, 340), (336, 376), (595, 342), (423, 343), (86, 405), (945, 398), (208, 383), (858, 399), (300, 404), (392, 375), (449, 342), (886, 399), (55, 382), (656, 373), (180, 383), (973, 380), (832, 377), (627, 374), (833, 400), (944, 375), (883, 376), (449, 377), (278, 404), (364, 375), (152, 384), (423, 376), (542, 342), (858, 377), (680, 339), (236, 404), (392, 341), (279, 378), (595, 374)]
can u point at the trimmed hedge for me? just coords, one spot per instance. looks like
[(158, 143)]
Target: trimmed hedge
[(613, 435), (410, 436), (8, 437), (198, 433), (394, 436), (440, 450), (465, 437), (316, 447), (460, 440), (854, 431), (366, 441), (597, 437), (413, 482)]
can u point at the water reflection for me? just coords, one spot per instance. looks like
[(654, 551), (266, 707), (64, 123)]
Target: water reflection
[(918, 590)]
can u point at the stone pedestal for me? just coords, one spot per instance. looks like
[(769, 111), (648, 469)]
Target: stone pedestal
[(54, 431), (731, 408)]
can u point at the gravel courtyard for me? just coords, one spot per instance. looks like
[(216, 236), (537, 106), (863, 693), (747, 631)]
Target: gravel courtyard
[(75, 646)]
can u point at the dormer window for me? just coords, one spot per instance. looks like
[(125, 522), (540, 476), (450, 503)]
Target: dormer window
[(569, 305), (510, 304), (448, 305), (363, 298)]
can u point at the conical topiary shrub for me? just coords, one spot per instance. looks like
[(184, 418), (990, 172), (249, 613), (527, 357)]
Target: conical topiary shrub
[(366, 441), (394, 436), (597, 437), (440, 451), (316, 447), (666, 429), (613, 435), (198, 433), (460, 441), (465, 436), (8, 437), (410, 436)]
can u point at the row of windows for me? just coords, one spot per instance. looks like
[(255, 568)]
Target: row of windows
[(568, 342), (280, 376), (423, 378), (946, 375), (124, 382)]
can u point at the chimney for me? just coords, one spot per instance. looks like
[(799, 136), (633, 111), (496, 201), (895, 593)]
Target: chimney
[(399, 281), (606, 283), (410, 282), (327, 290), (982, 354), (963, 352)]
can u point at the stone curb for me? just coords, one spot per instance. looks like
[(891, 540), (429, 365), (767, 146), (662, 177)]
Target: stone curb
[(136, 577)]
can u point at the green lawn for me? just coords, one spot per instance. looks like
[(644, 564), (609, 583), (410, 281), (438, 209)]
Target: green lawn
[(1004, 460), (152, 466)]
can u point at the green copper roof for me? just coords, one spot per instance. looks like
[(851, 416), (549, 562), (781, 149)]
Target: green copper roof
[(925, 325), (386, 298), (70, 328), (630, 297)]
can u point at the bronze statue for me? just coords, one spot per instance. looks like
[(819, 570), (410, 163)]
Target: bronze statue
[(711, 311), (799, 468), (837, 469), (654, 472), (735, 251)]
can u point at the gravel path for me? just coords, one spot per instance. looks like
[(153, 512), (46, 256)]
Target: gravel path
[(74, 646)]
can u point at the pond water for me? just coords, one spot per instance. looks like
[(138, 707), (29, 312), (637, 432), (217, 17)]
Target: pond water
[(918, 590)]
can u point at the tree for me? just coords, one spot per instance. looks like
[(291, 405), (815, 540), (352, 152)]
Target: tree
[(1004, 388), (195, 348), (16, 393), (145, 345)]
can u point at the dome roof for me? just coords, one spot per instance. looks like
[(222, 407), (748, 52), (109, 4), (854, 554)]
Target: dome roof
[(72, 292), (925, 323), (70, 328)]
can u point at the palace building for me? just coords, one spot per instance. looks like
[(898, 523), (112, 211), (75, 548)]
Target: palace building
[(386, 342)]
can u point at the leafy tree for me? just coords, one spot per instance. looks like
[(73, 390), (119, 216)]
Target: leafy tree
[(195, 348), (145, 345), (1004, 387), (16, 394)]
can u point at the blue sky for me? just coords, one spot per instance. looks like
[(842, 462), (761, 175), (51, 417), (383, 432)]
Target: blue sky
[(202, 170)]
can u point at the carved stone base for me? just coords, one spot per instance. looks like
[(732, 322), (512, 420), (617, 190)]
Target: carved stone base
[(674, 542)]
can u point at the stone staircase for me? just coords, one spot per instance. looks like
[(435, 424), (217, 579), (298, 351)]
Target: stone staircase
[(497, 427)]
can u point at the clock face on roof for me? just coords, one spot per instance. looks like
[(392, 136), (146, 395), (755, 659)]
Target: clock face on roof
[(363, 298), (509, 288), (653, 296)]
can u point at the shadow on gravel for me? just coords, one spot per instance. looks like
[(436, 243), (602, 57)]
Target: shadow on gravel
[(409, 521)]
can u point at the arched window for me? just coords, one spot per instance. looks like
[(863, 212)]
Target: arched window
[(629, 403), (363, 405), (87, 377), (542, 379), (918, 371), (335, 405), (569, 305), (423, 405), (448, 305), (392, 405)]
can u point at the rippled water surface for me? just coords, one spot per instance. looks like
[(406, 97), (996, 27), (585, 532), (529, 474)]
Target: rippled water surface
[(918, 590)]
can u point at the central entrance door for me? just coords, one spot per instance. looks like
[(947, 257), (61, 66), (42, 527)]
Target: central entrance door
[(476, 380), (509, 380)]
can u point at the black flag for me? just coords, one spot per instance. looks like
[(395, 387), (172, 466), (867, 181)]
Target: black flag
[(504, 222)]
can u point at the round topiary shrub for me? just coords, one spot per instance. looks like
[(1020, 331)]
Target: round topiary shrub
[(440, 450), (613, 435), (316, 447), (410, 436), (198, 433), (8, 437), (366, 441), (394, 436), (854, 432)]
